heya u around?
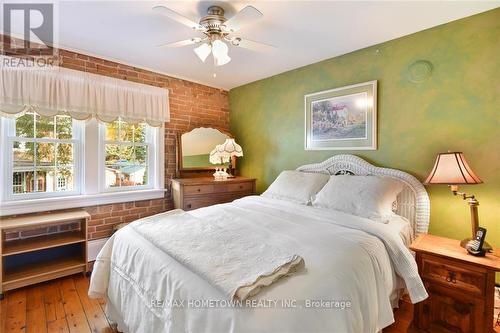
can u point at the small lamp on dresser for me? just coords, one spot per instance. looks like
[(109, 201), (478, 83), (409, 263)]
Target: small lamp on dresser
[(219, 159), (452, 169), (229, 150)]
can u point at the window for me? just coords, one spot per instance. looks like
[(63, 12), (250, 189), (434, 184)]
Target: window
[(75, 163), (126, 155), (41, 152)]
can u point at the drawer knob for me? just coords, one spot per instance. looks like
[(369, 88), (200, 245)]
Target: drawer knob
[(452, 277), (241, 186), (188, 205), (199, 190)]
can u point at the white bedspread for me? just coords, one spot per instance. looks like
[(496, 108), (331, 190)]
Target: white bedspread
[(237, 258), (347, 286)]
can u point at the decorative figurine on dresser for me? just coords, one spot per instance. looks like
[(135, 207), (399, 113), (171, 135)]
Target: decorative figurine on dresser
[(199, 153)]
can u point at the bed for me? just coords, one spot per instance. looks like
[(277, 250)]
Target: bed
[(350, 283)]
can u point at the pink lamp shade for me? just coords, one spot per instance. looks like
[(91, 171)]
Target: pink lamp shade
[(452, 169)]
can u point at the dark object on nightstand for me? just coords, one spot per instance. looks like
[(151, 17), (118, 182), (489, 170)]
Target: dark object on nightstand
[(475, 246), (461, 287)]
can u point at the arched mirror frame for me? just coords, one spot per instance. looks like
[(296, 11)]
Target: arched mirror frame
[(183, 172)]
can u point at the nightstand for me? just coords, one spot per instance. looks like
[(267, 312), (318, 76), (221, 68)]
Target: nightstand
[(461, 287)]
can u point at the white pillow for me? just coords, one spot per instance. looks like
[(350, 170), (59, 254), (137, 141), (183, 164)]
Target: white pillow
[(365, 196), (296, 186)]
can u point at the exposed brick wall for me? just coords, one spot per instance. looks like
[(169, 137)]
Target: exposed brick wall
[(191, 105), (102, 219)]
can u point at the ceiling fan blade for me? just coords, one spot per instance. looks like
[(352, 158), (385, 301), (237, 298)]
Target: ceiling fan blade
[(252, 45), (178, 17), (245, 16), (182, 43)]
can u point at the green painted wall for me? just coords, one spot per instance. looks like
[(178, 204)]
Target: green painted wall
[(457, 109)]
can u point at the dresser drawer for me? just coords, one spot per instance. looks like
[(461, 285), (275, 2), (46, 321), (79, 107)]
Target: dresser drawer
[(198, 202), (195, 203), (238, 187), (456, 275), (198, 189)]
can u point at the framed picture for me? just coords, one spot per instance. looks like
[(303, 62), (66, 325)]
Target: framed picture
[(343, 118)]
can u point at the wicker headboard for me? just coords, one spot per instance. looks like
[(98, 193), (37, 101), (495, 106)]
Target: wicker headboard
[(412, 203)]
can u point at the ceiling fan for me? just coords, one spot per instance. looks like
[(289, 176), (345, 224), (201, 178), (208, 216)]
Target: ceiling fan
[(217, 32)]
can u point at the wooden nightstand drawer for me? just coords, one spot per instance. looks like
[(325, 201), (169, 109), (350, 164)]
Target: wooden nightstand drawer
[(198, 189), (449, 310), (456, 275)]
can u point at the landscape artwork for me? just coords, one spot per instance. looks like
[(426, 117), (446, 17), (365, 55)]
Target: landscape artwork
[(343, 118), (340, 118)]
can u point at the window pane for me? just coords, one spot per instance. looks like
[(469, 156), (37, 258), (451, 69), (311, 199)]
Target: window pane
[(64, 154), (23, 182), (112, 154), (23, 153), (45, 178), (44, 127), (64, 127), (64, 179), (141, 154), (25, 126), (112, 176), (45, 153), (127, 153), (140, 133), (126, 132), (122, 168), (133, 175), (112, 131)]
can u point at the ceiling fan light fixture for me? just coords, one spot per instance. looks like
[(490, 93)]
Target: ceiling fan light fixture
[(220, 52), (219, 48), (219, 61), (203, 51), (216, 29)]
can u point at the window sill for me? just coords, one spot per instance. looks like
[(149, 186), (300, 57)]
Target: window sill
[(75, 201)]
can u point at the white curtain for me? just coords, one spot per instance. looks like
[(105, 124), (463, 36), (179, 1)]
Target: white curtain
[(81, 95)]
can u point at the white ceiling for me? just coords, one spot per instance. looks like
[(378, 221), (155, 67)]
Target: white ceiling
[(303, 32)]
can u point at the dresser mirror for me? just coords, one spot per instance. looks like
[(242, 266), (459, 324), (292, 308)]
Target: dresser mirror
[(193, 150)]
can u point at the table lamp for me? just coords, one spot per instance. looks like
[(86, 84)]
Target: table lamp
[(218, 158), (230, 150), (452, 169)]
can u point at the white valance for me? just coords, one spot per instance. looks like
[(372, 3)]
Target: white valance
[(81, 95)]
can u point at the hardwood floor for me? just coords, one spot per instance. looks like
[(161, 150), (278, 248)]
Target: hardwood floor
[(63, 306), (57, 306)]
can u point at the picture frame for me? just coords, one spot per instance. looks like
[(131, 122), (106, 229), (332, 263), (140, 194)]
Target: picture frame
[(343, 118)]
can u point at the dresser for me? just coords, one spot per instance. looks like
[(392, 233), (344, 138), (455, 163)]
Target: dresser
[(193, 193), (461, 287)]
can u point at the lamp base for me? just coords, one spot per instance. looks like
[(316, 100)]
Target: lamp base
[(486, 247)]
